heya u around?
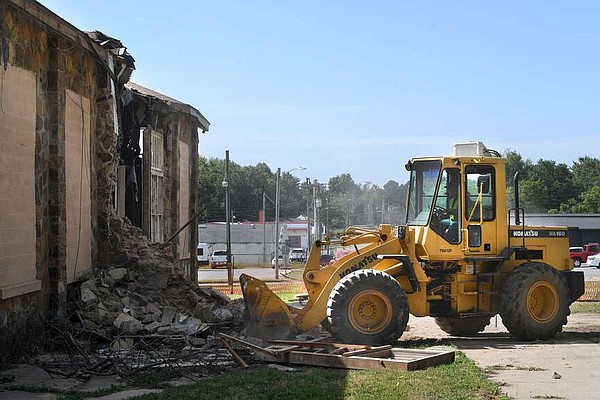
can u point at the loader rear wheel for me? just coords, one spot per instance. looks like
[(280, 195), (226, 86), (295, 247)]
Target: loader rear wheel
[(535, 302), (462, 326), (367, 307)]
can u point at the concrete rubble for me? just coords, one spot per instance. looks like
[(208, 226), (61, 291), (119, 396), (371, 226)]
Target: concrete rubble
[(140, 291), (136, 317)]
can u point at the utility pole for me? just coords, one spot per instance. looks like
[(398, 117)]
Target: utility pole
[(228, 222), (327, 215), (317, 200), (264, 224), (277, 224), (308, 241)]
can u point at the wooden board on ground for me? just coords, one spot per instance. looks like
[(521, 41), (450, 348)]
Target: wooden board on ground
[(349, 356)]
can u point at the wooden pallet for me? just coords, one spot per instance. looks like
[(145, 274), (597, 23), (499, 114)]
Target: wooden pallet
[(347, 356)]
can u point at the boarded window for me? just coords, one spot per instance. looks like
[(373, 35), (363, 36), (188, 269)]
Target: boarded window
[(17, 182), (157, 188), (184, 199), (78, 191)]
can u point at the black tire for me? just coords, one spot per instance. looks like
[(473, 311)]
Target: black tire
[(367, 307), (462, 326), (534, 302), (577, 262)]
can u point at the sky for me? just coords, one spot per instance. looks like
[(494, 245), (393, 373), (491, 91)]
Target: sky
[(360, 87)]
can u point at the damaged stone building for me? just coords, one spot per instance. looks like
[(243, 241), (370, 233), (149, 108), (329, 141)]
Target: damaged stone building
[(82, 147)]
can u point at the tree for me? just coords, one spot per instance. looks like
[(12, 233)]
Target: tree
[(395, 202), (586, 172), (514, 164), (548, 185)]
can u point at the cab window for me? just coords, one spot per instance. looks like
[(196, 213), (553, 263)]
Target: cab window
[(445, 219), (480, 193)]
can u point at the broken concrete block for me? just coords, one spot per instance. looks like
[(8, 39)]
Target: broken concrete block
[(222, 314), (152, 327), (168, 314), (102, 310), (87, 295), (192, 326), (203, 311), (153, 309), (89, 284), (118, 274), (127, 324)]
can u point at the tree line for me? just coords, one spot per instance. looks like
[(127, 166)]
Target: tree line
[(343, 202), (545, 187), (550, 187)]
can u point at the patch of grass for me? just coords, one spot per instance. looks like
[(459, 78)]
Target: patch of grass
[(592, 307), (547, 397), (460, 380)]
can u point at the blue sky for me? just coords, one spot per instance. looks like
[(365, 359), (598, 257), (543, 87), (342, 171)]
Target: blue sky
[(359, 87)]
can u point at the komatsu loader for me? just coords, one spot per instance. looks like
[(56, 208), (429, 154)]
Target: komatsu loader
[(462, 257)]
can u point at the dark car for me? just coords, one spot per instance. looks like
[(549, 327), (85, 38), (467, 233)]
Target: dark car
[(325, 259)]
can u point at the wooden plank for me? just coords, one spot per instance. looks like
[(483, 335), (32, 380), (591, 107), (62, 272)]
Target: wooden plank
[(235, 355), (372, 363), (247, 344), (278, 350), (380, 351), (313, 344), (337, 361), (446, 357)]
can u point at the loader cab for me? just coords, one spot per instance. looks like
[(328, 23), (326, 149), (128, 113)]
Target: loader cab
[(455, 208)]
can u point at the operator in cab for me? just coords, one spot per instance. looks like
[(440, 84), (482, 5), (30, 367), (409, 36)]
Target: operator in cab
[(447, 205)]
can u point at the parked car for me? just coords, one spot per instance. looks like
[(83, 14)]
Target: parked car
[(580, 255), (594, 260), (325, 259), (202, 253), (297, 255), (282, 263), (218, 259)]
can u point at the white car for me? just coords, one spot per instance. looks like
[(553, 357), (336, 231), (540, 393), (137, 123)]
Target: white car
[(594, 261), (282, 263)]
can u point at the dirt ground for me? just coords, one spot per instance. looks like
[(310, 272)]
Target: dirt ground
[(566, 367)]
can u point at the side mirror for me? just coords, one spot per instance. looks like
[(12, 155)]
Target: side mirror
[(483, 184)]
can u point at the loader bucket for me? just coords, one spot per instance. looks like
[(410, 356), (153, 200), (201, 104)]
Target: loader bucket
[(268, 316)]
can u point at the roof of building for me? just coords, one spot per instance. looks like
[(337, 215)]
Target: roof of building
[(581, 221), (173, 103)]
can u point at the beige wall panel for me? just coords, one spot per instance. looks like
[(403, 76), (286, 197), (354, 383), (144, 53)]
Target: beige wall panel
[(78, 197), (184, 199), (17, 178)]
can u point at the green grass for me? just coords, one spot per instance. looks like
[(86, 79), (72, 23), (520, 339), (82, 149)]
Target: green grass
[(585, 307), (460, 380)]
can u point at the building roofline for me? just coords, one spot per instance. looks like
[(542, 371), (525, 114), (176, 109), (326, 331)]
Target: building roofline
[(173, 103)]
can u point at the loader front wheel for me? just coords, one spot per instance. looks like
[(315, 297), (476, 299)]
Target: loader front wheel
[(367, 307), (462, 326), (535, 302)]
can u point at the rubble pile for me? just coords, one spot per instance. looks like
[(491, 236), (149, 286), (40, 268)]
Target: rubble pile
[(139, 291)]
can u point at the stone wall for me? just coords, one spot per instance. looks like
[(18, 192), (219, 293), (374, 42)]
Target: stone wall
[(59, 64)]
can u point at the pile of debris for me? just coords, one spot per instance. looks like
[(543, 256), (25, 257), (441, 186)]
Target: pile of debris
[(143, 292), (138, 302)]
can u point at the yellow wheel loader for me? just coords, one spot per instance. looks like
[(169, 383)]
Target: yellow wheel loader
[(462, 257)]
